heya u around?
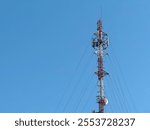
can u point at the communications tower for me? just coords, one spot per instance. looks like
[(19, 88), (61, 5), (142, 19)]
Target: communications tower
[(100, 43)]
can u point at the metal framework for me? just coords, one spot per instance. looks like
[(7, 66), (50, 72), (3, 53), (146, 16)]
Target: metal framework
[(100, 43)]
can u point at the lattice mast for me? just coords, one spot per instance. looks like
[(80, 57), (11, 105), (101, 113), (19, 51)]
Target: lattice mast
[(100, 43)]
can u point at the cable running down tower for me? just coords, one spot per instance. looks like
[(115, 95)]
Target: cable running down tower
[(100, 43)]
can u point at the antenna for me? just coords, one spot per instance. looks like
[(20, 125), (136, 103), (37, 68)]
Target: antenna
[(100, 43), (101, 12)]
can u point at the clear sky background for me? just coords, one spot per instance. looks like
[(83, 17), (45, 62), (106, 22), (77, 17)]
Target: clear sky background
[(47, 63)]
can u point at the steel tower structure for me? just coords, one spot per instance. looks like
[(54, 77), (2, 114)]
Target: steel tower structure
[(100, 43)]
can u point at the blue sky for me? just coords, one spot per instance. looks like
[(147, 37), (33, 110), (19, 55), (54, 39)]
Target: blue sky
[(47, 62)]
